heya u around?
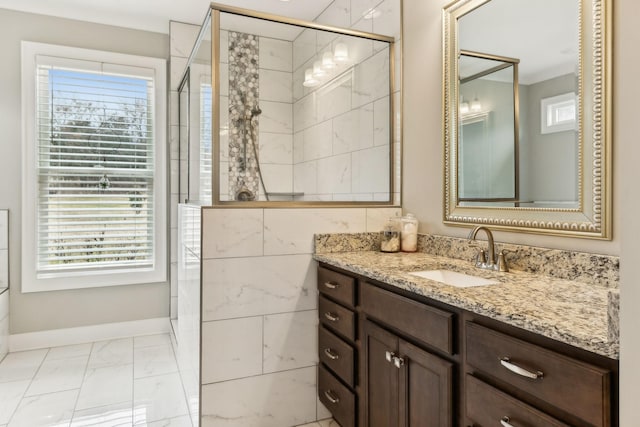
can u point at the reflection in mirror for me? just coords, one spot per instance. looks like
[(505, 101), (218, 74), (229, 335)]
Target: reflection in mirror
[(543, 64), (488, 129), (304, 113)]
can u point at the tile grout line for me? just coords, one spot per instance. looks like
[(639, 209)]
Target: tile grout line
[(86, 368)]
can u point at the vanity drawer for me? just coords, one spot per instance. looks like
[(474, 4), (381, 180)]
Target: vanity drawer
[(575, 387), (428, 324), (338, 399), (487, 406), (337, 285), (337, 355), (337, 318)]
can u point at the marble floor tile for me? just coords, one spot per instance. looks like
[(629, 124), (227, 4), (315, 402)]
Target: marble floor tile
[(155, 360), (151, 340), (105, 386), (158, 398), (111, 353), (117, 415), (10, 395), (184, 421), (52, 409), (21, 365), (58, 375), (69, 351)]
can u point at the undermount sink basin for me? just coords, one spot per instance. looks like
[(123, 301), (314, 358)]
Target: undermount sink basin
[(453, 278)]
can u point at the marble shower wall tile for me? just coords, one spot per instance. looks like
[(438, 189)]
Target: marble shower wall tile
[(370, 78), (336, 175), (290, 231), (276, 148), (276, 117), (232, 349), (276, 86), (242, 287), (273, 400), (353, 131), (370, 170), (232, 233), (275, 55), (290, 341)]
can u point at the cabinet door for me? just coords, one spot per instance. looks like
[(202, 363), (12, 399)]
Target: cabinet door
[(380, 377), (426, 393)]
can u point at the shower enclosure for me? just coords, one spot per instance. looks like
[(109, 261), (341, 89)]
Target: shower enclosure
[(273, 112), (274, 109)]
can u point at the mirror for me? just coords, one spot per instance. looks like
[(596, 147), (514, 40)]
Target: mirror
[(526, 115)]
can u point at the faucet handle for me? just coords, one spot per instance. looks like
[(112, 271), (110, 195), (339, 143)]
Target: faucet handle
[(481, 258), (502, 262)]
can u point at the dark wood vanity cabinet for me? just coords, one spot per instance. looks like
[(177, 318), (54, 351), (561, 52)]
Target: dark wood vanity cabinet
[(403, 384), (337, 345), (392, 359)]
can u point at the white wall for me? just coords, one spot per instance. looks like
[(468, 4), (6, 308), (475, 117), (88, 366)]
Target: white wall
[(62, 309), (625, 127)]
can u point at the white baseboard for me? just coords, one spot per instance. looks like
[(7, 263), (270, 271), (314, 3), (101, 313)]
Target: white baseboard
[(85, 334)]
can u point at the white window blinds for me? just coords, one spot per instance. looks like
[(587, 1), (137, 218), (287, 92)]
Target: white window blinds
[(94, 169)]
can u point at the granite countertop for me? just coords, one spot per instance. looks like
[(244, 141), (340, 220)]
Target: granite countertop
[(568, 311)]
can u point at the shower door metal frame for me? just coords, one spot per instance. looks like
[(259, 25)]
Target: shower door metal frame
[(213, 15)]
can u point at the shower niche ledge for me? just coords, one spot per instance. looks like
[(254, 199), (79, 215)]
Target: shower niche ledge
[(274, 110)]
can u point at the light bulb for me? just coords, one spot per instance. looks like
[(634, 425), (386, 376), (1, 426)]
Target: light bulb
[(341, 53), (464, 107), (327, 61), (318, 71), (476, 105), (309, 80)]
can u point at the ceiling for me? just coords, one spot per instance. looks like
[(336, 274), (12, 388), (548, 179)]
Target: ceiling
[(154, 15), (542, 34)]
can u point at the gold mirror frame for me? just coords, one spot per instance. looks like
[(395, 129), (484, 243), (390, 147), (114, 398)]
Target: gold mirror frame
[(592, 219)]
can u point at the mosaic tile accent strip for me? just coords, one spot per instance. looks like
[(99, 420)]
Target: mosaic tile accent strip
[(593, 269), (244, 91)]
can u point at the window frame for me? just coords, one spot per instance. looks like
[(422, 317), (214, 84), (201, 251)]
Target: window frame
[(32, 281)]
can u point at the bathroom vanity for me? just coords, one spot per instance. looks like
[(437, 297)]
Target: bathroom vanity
[(400, 350)]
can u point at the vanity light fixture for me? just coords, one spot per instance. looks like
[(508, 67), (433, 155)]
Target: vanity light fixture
[(476, 106), (327, 61), (309, 79), (341, 53), (318, 71), (464, 107)]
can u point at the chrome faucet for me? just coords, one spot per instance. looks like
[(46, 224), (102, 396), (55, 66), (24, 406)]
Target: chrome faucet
[(481, 260)]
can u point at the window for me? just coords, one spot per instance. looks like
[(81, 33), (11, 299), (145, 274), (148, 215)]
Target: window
[(94, 183), (558, 113)]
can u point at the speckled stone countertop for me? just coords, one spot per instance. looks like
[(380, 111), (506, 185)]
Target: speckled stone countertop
[(565, 310)]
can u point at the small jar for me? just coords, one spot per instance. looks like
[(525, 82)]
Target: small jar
[(391, 236), (409, 233)]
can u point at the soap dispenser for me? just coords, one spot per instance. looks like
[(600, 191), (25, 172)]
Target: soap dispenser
[(409, 233)]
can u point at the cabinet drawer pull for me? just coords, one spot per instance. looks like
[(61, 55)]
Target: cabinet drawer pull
[(332, 398), (389, 355), (331, 354), (505, 422), (398, 362), (331, 285), (506, 362), (331, 316)]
